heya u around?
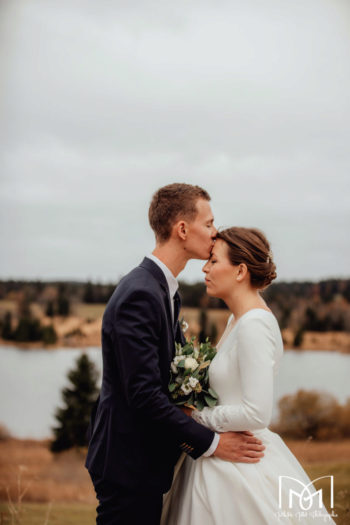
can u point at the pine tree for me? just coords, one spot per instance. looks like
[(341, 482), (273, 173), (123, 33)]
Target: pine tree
[(63, 303), (213, 333), (27, 330), (79, 398), (7, 332), (48, 335), (89, 293), (298, 338), (50, 310), (203, 326)]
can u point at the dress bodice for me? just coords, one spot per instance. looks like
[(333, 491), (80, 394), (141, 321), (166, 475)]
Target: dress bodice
[(242, 373)]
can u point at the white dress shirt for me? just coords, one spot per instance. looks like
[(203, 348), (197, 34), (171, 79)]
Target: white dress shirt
[(173, 285)]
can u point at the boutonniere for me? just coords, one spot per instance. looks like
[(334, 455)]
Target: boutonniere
[(183, 325)]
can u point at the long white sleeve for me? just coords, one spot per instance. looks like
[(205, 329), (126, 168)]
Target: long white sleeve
[(256, 347)]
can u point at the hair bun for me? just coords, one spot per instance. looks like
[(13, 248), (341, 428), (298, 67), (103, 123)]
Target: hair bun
[(271, 273), (250, 246)]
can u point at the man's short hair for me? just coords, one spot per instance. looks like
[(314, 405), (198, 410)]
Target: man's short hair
[(172, 203)]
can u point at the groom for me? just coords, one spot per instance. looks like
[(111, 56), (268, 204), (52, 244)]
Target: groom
[(137, 434)]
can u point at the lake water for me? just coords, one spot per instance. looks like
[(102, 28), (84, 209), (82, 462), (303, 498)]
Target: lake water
[(31, 382)]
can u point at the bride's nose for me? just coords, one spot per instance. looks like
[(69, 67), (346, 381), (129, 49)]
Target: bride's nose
[(205, 268)]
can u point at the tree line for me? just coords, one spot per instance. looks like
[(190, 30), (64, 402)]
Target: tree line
[(300, 306), (193, 295)]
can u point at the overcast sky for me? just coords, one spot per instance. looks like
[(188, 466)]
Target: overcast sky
[(103, 102)]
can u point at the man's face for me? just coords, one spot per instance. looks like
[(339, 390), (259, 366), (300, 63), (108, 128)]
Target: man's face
[(201, 232)]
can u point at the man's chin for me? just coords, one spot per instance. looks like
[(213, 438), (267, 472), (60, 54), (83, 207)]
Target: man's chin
[(206, 256), (202, 256)]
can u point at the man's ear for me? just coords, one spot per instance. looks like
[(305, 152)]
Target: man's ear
[(181, 229)]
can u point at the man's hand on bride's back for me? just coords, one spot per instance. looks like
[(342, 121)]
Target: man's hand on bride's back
[(240, 447)]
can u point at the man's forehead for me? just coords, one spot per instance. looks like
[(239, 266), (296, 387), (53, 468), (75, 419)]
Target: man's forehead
[(204, 208)]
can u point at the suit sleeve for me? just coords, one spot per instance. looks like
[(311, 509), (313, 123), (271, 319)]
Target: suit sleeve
[(136, 335), (256, 359)]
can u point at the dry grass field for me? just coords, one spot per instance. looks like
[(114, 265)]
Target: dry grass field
[(314, 452), (56, 489), (44, 476), (39, 488)]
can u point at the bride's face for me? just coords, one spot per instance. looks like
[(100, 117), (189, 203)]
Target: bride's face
[(220, 274)]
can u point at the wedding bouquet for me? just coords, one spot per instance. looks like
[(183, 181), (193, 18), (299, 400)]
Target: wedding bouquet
[(189, 375)]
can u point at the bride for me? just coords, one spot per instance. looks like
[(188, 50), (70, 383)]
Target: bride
[(211, 491)]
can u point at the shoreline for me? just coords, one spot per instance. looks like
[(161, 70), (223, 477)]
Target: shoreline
[(313, 341)]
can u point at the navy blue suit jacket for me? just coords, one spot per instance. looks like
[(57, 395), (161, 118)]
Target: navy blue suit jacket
[(137, 433)]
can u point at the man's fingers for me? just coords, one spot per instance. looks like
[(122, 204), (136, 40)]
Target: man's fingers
[(251, 446), (252, 454), (246, 459), (252, 439), (257, 448)]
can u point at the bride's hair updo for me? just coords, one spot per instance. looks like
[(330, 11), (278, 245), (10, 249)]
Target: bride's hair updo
[(250, 246)]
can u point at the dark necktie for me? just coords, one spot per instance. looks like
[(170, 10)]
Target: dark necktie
[(177, 306)]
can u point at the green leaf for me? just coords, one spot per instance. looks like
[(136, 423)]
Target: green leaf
[(210, 401), (199, 404), (213, 393), (196, 373), (172, 387), (181, 364), (181, 402)]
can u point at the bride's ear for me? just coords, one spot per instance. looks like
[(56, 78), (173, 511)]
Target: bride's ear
[(242, 272)]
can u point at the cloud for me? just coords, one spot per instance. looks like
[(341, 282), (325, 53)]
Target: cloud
[(103, 105)]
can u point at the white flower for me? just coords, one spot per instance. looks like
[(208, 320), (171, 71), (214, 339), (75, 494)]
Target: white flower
[(175, 362), (193, 382), (184, 326), (191, 363), (186, 389)]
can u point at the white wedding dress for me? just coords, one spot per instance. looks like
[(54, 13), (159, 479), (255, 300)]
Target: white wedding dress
[(210, 491)]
